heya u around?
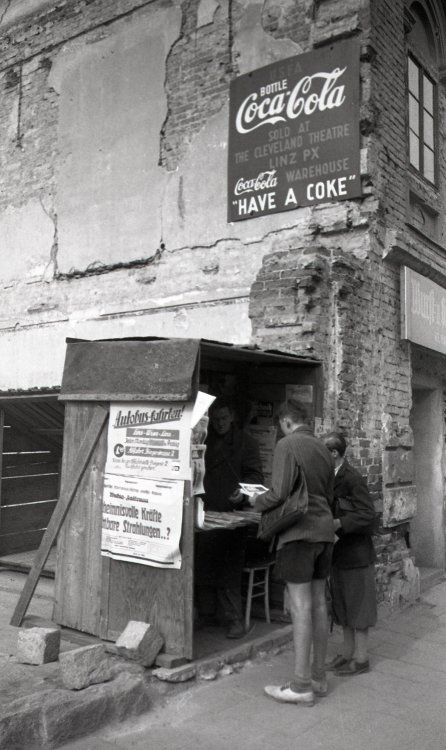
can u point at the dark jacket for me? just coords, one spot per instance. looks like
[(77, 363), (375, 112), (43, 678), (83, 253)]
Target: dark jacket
[(355, 510), (230, 459), (303, 449)]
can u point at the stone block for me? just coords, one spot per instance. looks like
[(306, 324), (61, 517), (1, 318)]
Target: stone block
[(67, 716), (38, 645), (21, 724), (399, 504), (398, 466), (140, 641), (85, 666), (180, 674)]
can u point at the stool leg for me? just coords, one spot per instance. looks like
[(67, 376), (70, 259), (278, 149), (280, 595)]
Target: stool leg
[(267, 613), (249, 599)]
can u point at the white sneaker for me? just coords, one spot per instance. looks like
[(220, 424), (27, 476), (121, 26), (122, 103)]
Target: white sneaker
[(284, 694)]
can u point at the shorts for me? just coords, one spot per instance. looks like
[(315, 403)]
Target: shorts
[(354, 597), (302, 561)]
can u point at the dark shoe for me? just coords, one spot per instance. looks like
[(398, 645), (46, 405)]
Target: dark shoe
[(353, 667), (235, 629), (320, 687), (336, 662)]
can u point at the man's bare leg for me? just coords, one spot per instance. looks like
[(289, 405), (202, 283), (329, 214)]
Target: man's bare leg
[(319, 629), (301, 616)]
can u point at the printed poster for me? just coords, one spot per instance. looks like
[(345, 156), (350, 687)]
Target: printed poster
[(149, 457), (150, 440), (141, 520)]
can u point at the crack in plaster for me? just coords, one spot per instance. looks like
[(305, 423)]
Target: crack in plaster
[(51, 268), (97, 268), (8, 5)]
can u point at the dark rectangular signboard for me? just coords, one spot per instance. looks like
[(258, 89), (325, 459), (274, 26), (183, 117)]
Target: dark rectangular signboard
[(294, 133)]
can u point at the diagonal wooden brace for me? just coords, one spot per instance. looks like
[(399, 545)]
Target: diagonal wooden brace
[(91, 437)]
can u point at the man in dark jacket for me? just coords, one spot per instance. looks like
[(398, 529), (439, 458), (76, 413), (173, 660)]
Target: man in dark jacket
[(304, 549), (353, 570), (232, 456)]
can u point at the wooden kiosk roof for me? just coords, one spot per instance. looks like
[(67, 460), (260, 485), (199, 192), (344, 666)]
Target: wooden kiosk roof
[(151, 369)]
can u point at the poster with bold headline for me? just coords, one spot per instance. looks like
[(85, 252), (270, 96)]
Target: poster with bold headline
[(141, 520), (149, 440), (294, 133), (151, 451)]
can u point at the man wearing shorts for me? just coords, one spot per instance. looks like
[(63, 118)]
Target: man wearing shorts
[(303, 550)]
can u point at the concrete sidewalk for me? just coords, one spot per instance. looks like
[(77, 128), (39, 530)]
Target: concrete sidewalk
[(399, 704)]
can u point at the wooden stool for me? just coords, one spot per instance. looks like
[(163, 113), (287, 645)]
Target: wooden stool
[(258, 585)]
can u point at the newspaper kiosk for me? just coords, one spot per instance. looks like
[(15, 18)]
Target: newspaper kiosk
[(99, 593)]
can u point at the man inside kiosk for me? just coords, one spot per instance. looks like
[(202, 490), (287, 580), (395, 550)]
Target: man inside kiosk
[(232, 456)]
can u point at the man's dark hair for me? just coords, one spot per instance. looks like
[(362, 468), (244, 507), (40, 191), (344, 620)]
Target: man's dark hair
[(336, 441), (294, 409)]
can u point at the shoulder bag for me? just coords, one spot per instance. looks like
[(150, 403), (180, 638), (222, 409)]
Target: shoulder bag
[(288, 513)]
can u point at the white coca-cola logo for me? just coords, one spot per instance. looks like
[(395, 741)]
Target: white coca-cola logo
[(263, 181), (305, 98)]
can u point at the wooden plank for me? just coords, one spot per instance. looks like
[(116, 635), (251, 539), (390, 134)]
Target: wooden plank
[(23, 561), (21, 467), (22, 542), (79, 569), (23, 422), (29, 489), (40, 416), (24, 518), (156, 595), (69, 487), (15, 442)]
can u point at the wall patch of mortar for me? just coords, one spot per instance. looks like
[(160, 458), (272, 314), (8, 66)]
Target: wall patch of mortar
[(206, 11), (50, 271)]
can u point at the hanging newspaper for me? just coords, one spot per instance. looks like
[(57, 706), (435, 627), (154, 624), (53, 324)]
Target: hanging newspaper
[(141, 520)]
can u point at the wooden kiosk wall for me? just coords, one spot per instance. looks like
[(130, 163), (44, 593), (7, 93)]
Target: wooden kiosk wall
[(99, 595), (93, 593)]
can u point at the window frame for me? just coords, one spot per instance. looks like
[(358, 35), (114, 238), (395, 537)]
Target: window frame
[(423, 73)]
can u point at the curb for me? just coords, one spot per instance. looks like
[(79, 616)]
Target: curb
[(52, 717), (209, 667)]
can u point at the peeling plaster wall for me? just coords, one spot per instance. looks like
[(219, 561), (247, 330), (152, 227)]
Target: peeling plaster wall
[(111, 108)]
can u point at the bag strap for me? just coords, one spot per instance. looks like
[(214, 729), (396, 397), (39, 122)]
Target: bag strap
[(298, 458)]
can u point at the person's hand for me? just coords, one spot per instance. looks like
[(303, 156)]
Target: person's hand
[(251, 499), (236, 497), (337, 524)]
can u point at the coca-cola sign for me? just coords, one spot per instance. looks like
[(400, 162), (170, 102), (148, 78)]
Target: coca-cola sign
[(294, 133)]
